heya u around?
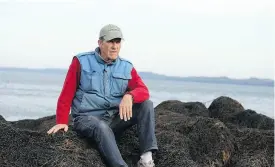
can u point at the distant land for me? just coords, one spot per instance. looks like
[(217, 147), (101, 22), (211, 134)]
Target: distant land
[(217, 80), (150, 75)]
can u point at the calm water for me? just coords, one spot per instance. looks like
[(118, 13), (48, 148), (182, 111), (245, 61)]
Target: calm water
[(29, 94)]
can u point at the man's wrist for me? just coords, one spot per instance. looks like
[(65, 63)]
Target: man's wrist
[(132, 97)]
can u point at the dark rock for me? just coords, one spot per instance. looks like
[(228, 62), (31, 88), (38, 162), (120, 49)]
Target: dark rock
[(251, 119), (2, 118), (184, 139), (191, 141), (186, 108), (41, 124), (28, 148), (223, 107), (252, 161), (254, 147), (211, 143)]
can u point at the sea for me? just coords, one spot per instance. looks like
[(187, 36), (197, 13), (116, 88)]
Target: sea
[(32, 94)]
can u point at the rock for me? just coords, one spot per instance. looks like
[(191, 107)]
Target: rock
[(191, 141), (186, 137), (22, 147), (254, 147), (251, 119), (223, 107), (211, 143), (41, 124), (2, 118), (186, 108), (231, 111)]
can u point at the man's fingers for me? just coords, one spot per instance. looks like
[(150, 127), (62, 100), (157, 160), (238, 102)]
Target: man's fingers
[(125, 113), (51, 130), (120, 112), (57, 129), (66, 128), (131, 112)]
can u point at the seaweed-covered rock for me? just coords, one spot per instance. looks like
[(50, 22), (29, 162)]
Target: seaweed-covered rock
[(186, 108), (251, 119), (223, 107), (2, 118), (211, 143), (41, 124), (184, 139), (192, 141), (254, 147)]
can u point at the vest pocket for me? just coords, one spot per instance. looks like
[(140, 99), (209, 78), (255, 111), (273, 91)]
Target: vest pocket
[(119, 83), (91, 81)]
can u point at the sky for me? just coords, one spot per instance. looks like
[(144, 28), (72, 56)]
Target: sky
[(233, 38)]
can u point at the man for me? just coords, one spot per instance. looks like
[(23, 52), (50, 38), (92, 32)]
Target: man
[(106, 95)]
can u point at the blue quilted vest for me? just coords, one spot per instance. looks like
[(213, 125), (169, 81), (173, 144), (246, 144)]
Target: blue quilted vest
[(101, 86)]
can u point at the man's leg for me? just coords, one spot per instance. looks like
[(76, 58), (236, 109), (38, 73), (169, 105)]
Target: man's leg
[(98, 130), (144, 117)]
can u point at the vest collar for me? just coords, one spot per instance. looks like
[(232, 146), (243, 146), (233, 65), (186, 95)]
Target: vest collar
[(100, 59)]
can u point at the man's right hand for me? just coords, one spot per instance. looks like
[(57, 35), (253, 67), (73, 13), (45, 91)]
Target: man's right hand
[(58, 127)]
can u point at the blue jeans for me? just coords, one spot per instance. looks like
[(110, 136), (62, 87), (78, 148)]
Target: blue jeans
[(102, 129)]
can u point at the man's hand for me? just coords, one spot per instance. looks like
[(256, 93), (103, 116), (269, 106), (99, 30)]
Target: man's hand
[(125, 107), (58, 127)]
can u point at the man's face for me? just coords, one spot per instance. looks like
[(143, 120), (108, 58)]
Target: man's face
[(110, 49)]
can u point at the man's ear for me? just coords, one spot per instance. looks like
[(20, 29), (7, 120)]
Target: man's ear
[(99, 42)]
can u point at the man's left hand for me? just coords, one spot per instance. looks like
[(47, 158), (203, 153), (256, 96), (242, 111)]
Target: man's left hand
[(125, 107)]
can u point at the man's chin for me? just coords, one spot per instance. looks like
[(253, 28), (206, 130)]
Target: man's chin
[(113, 57)]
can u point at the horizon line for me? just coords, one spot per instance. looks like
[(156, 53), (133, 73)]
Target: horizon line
[(65, 69)]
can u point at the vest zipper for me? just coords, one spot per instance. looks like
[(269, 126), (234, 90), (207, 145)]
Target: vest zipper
[(104, 81)]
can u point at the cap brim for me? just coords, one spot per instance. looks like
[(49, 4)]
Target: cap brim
[(113, 35), (110, 38)]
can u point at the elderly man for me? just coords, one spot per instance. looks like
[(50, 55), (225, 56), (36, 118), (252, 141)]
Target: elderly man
[(106, 95)]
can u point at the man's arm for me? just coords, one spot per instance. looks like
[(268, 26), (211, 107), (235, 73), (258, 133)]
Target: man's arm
[(67, 94), (138, 89)]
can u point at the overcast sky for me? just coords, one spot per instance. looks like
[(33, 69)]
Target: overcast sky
[(234, 38)]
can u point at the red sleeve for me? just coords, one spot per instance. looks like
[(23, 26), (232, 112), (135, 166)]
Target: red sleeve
[(67, 93), (138, 89)]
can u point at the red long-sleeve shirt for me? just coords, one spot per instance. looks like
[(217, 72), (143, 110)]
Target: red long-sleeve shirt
[(137, 88)]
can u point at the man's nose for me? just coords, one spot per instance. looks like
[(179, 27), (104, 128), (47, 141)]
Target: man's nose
[(114, 45)]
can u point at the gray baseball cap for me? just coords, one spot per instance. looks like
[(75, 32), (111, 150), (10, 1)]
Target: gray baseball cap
[(109, 32)]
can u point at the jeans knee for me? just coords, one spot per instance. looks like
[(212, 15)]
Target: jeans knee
[(146, 108), (148, 104), (91, 127)]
